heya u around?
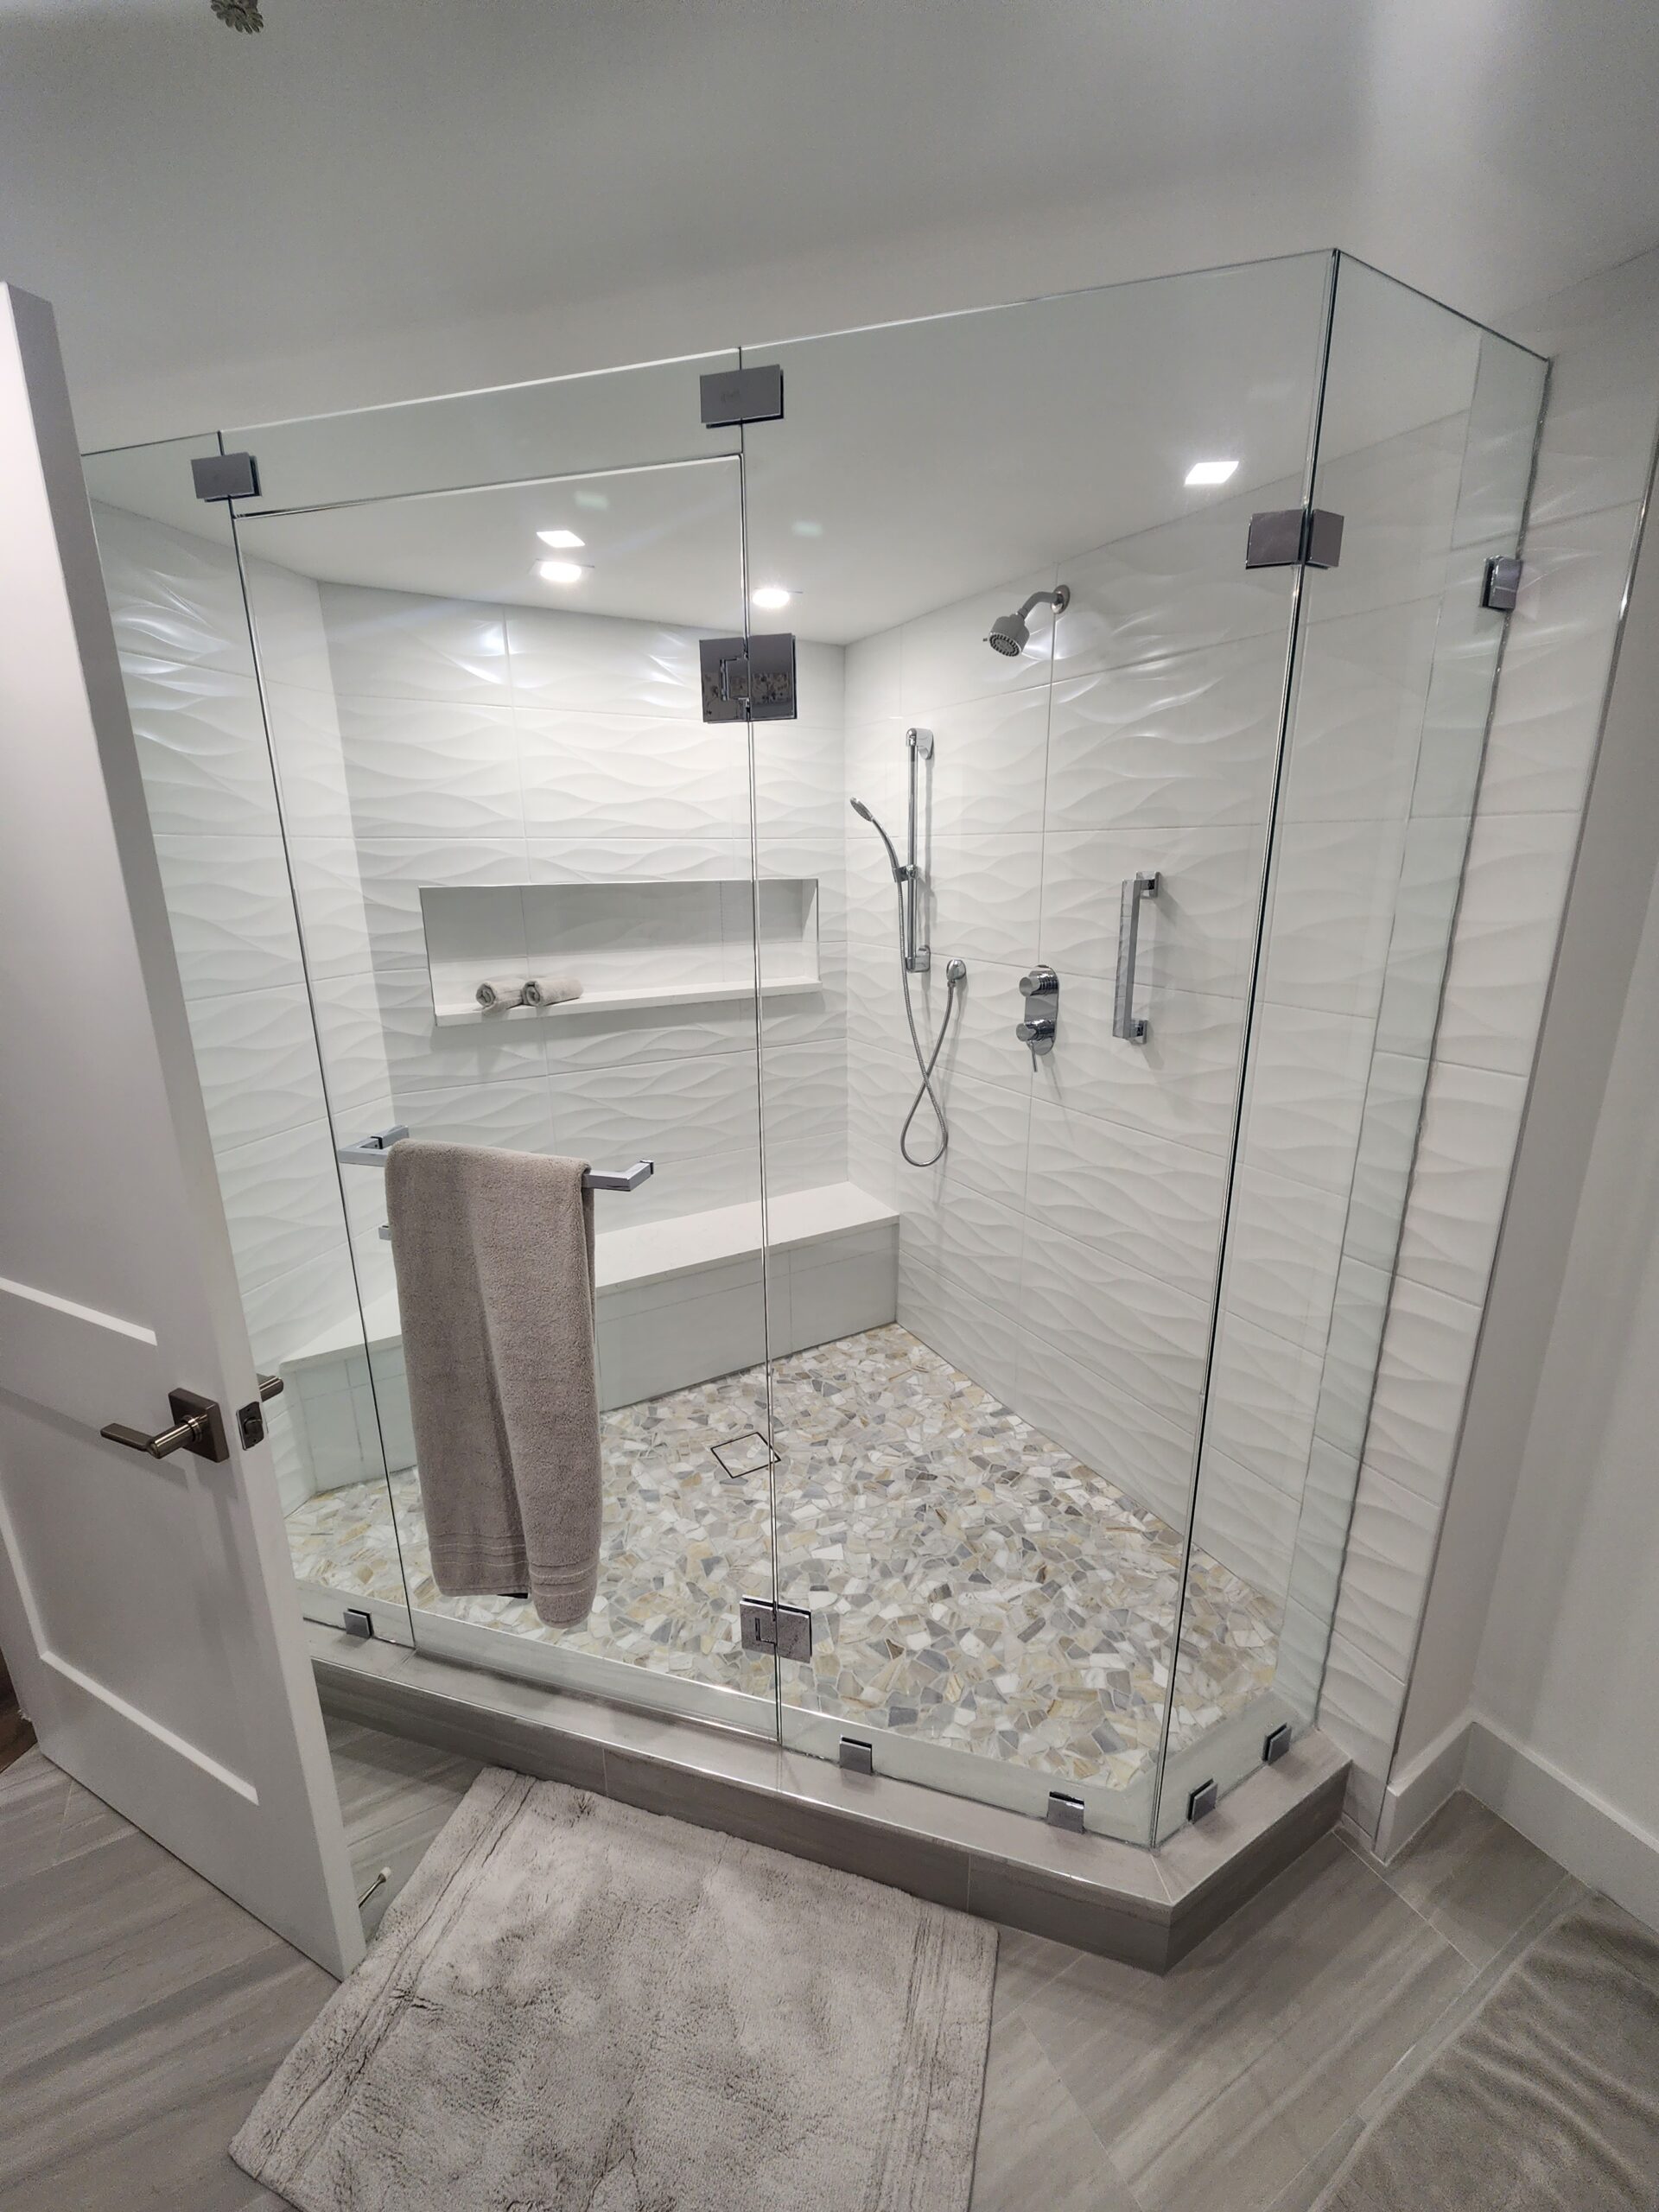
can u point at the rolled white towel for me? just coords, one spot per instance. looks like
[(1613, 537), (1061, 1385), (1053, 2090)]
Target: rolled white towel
[(551, 990), (500, 990)]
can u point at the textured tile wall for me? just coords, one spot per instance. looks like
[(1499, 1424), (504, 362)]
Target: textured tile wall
[(480, 745), (181, 632)]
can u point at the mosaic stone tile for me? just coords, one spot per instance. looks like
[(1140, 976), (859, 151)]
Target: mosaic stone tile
[(969, 1581)]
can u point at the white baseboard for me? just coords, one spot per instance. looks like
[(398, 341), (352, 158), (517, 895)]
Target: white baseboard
[(1592, 1839), (1574, 1824), (1416, 1791)]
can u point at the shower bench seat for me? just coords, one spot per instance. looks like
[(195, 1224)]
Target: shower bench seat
[(679, 1302)]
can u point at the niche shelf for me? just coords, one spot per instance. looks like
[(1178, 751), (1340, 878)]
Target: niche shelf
[(664, 942)]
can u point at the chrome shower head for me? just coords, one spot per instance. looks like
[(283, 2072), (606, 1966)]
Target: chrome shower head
[(1011, 633), (864, 815)]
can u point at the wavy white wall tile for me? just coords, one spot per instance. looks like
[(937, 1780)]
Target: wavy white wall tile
[(1471, 1120), (1150, 1336), (174, 596), (600, 664), (619, 775), (257, 1059), (281, 1200), (1187, 741), (1195, 935), (1514, 889), (1428, 1346), (395, 644), (1139, 1201), (1390, 1550), (231, 911), (430, 768), (1285, 1247), (201, 746)]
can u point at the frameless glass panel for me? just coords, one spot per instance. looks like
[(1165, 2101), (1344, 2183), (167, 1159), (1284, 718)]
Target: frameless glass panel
[(992, 1349), (625, 418), (181, 629), (1425, 445), (485, 710)]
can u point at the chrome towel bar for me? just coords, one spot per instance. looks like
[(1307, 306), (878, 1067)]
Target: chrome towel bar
[(371, 1152)]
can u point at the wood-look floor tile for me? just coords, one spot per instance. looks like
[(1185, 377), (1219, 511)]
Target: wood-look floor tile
[(394, 1795), (1035, 2146), (140, 2109), (1472, 1877), (1025, 1963), (1211, 2086)]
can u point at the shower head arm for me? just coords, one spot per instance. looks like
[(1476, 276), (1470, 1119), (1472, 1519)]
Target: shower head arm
[(1059, 599)]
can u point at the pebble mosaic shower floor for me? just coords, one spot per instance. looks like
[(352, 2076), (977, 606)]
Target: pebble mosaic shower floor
[(969, 1581)]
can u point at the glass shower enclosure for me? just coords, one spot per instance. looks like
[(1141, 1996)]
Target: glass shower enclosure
[(998, 789)]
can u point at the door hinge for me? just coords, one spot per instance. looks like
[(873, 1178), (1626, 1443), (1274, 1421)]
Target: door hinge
[(732, 396), (226, 476), (1284, 537), (784, 1632), (751, 678), (1501, 586)]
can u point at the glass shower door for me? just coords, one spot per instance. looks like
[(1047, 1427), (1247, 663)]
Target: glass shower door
[(988, 1398), (486, 700)]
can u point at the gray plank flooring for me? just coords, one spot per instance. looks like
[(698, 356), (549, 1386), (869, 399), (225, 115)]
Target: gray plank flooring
[(143, 2011)]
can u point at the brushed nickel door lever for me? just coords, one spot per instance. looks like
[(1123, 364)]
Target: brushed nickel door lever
[(199, 1427)]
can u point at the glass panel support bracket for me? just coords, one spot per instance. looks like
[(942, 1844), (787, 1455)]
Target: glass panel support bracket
[(730, 397), (1291, 537), (226, 476), (1501, 586)]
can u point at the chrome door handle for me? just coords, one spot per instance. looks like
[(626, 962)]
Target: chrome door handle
[(199, 1427), (1125, 1022)]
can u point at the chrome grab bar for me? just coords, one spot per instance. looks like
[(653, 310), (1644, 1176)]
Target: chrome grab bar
[(371, 1152), (1126, 1023)]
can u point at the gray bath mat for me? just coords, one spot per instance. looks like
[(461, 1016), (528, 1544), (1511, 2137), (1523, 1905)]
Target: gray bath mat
[(1546, 2100), (577, 2007)]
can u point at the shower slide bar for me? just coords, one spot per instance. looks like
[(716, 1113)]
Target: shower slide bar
[(371, 1152)]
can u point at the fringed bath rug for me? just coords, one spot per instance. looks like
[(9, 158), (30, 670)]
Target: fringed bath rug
[(574, 2007)]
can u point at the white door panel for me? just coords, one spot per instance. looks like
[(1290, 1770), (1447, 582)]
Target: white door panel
[(147, 1606)]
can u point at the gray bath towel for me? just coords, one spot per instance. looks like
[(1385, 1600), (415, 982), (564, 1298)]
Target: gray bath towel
[(494, 1254)]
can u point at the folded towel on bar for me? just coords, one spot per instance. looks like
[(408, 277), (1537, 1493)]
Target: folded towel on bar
[(500, 990), (494, 1258), (551, 990)]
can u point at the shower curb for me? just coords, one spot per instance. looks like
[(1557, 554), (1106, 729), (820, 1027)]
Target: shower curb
[(1146, 1907)]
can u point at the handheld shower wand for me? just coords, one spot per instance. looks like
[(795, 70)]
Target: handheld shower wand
[(905, 876)]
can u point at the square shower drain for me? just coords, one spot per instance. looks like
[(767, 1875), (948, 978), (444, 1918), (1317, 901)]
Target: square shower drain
[(747, 1454)]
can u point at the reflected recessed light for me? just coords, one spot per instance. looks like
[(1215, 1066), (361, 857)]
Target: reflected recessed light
[(560, 572), (1210, 472), (807, 529), (561, 537), (598, 500), (771, 597)]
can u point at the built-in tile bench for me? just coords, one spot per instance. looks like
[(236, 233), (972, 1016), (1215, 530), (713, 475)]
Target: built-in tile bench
[(679, 1302)]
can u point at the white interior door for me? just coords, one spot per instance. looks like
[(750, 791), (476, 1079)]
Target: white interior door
[(146, 1604)]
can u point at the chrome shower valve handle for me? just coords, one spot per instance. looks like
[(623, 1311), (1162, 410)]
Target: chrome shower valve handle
[(1039, 987)]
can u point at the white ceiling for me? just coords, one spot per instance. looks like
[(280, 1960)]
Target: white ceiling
[(377, 198)]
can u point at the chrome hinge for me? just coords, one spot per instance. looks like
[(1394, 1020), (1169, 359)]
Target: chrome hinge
[(751, 678), (1286, 537), (730, 397), (784, 1632), (226, 476)]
